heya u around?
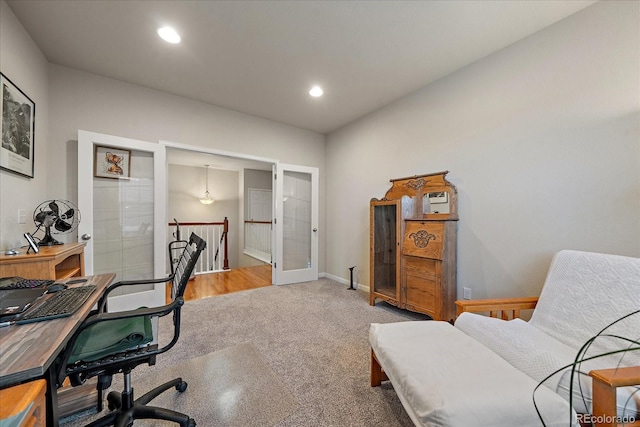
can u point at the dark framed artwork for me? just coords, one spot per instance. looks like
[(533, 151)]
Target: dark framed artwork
[(111, 162), (18, 113)]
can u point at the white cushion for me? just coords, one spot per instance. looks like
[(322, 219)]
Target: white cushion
[(583, 293), (539, 355), (446, 378)]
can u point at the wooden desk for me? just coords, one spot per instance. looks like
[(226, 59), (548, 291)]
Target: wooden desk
[(52, 262), (28, 351)]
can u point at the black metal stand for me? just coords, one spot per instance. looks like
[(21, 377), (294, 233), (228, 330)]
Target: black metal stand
[(351, 288)]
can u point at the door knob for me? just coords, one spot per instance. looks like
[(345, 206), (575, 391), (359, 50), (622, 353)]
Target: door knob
[(86, 236), (315, 230)]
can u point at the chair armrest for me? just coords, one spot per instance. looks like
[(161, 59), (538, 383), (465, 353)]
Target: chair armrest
[(493, 306), (103, 299), (605, 382)]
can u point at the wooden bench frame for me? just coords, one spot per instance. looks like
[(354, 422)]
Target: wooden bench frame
[(605, 382), (377, 374), (504, 308)]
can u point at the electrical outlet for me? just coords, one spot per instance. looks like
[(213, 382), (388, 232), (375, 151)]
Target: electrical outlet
[(22, 216), (466, 293)]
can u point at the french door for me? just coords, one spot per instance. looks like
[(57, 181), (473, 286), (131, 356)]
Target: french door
[(123, 213), (296, 224)]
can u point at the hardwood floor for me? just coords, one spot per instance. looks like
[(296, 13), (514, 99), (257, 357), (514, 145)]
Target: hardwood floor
[(225, 282)]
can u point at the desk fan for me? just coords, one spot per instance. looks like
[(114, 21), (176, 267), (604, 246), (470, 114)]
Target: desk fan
[(57, 217)]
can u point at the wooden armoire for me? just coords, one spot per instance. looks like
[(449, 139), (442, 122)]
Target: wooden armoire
[(413, 245)]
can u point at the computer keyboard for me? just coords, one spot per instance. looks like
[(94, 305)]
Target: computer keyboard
[(61, 304), (20, 283)]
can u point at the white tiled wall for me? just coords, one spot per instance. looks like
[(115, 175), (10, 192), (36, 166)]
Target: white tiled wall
[(123, 222)]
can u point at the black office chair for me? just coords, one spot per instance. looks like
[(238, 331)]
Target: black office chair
[(111, 343)]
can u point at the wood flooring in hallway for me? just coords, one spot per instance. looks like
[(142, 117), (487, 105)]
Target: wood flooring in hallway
[(225, 282)]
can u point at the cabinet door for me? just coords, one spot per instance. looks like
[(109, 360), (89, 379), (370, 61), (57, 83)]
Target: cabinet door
[(385, 257)]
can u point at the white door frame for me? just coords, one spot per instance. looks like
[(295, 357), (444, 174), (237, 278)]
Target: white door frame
[(281, 276), (86, 142)]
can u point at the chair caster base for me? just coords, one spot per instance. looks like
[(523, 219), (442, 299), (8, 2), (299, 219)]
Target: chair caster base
[(124, 409), (182, 386), (114, 400)]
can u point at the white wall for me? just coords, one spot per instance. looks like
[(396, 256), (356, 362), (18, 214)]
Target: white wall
[(23, 63), (81, 100), (542, 140), (543, 143)]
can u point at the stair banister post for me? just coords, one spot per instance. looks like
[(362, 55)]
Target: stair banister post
[(226, 255)]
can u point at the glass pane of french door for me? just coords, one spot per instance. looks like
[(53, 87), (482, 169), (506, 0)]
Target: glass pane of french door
[(296, 227), (123, 222)]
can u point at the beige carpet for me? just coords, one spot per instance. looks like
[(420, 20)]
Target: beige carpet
[(280, 356), (236, 383)]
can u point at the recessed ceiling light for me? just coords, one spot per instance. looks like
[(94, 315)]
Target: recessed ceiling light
[(316, 91), (169, 34)]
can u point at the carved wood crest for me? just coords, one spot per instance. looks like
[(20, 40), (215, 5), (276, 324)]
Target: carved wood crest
[(421, 238), (416, 184)]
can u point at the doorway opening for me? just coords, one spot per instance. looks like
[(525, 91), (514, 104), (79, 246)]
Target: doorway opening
[(227, 177)]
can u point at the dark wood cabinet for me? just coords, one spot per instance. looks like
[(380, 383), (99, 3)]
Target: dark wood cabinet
[(413, 245)]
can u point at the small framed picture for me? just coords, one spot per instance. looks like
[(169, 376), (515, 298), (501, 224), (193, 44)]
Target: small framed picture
[(111, 162), (17, 111)]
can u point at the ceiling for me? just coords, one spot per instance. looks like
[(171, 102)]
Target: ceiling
[(262, 57)]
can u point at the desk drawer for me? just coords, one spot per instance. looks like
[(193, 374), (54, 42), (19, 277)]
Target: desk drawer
[(420, 292), (422, 267), (421, 284)]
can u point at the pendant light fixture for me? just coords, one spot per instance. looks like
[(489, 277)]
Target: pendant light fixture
[(206, 200)]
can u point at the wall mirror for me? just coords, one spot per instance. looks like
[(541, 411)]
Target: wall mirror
[(436, 202)]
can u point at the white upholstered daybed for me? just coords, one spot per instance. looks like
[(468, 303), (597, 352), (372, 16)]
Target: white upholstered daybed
[(486, 371)]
